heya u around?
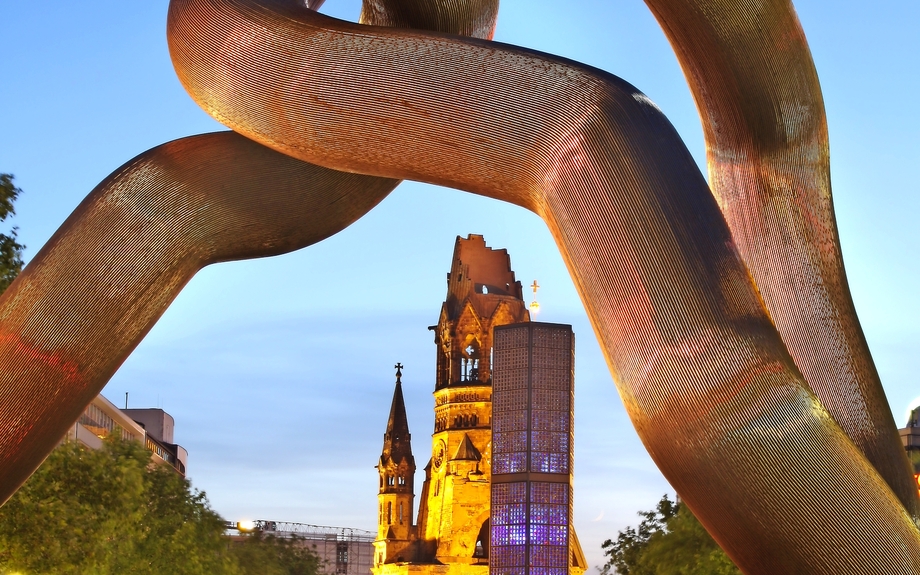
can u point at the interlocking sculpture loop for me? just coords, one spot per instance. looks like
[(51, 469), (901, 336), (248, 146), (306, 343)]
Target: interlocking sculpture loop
[(728, 305)]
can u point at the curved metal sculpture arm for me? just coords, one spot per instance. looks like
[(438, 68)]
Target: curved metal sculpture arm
[(474, 18), (113, 267), (683, 327), (752, 75), (98, 286)]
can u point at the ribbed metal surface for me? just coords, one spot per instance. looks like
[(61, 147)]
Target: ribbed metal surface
[(754, 81), (754, 452), (475, 18), (90, 295), (101, 282)]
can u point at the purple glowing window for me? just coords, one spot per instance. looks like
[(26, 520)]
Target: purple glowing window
[(541, 462), (508, 492), (558, 515), (506, 555), (509, 421), (543, 492), (517, 514), (548, 534), (509, 462), (508, 514), (549, 441), (509, 441), (544, 420), (547, 556), (548, 514)]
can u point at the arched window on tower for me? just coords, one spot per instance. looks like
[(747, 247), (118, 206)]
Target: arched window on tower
[(400, 512), (402, 480), (389, 513), (481, 550)]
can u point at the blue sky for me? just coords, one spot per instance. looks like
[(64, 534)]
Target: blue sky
[(279, 371)]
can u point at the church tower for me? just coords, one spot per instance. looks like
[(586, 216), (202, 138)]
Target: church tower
[(395, 531), (451, 534), (482, 293)]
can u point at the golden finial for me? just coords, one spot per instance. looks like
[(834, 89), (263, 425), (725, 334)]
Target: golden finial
[(534, 306)]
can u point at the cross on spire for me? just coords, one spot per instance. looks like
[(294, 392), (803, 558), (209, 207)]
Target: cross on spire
[(534, 306), (398, 367)]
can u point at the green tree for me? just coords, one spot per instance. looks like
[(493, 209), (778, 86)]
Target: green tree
[(110, 511), (625, 552), (262, 554), (669, 541), (10, 249), (180, 527)]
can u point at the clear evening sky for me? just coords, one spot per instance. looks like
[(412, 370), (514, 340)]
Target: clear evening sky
[(279, 371)]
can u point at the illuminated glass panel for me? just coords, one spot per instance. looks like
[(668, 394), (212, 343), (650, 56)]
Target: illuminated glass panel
[(508, 462), (532, 398), (511, 421)]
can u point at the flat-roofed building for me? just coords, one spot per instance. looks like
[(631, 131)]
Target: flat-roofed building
[(102, 418), (341, 550)]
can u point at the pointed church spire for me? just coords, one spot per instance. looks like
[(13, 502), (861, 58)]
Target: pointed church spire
[(396, 497), (396, 440)]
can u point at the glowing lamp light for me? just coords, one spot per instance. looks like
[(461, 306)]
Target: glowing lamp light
[(246, 526)]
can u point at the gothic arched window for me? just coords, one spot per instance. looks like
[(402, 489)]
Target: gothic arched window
[(482, 542)]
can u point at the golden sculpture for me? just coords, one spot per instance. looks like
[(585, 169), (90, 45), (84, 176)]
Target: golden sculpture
[(731, 309)]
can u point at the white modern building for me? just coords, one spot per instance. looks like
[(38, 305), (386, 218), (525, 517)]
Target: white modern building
[(153, 427)]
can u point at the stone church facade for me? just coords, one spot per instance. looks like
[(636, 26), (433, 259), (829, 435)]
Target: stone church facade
[(450, 534)]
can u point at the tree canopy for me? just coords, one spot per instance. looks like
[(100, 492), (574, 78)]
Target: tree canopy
[(10, 249), (110, 511), (669, 541), (270, 555)]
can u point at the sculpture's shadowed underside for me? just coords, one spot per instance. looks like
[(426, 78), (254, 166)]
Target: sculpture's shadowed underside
[(727, 304)]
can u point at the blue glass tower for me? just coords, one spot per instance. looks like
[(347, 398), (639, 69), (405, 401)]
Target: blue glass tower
[(532, 412)]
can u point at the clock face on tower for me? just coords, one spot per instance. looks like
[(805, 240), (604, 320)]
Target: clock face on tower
[(438, 458)]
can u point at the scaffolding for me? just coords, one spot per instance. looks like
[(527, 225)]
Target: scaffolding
[(342, 550)]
